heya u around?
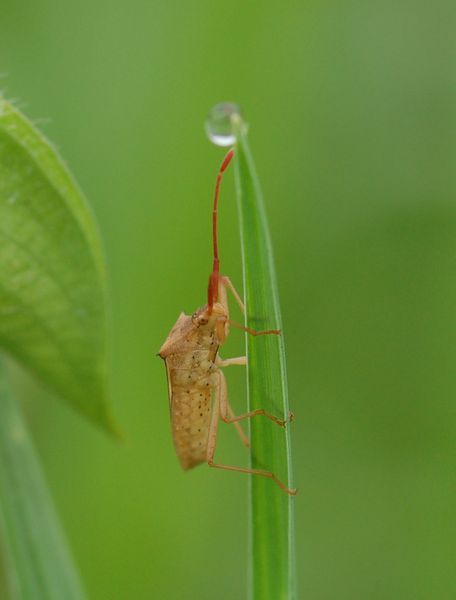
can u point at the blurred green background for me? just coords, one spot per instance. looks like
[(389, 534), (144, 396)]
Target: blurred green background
[(351, 108)]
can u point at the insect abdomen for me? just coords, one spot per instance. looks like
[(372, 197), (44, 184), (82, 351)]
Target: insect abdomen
[(191, 415), (191, 376)]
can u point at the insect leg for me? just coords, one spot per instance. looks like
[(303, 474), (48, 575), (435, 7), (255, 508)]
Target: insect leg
[(212, 440), (260, 411), (226, 410), (244, 439), (239, 360), (253, 331), (225, 282)]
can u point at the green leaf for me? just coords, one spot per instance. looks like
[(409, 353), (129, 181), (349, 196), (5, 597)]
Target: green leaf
[(38, 565), (52, 276), (272, 560)]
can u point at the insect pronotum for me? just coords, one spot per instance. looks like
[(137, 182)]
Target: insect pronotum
[(197, 387)]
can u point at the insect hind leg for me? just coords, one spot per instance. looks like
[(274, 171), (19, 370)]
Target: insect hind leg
[(212, 440), (221, 405), (289, 491)]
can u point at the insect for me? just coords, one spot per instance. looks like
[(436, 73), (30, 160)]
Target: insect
[(197, 387)]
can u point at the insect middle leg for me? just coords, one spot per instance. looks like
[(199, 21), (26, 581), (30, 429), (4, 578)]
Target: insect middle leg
[(212, 442), (226, 413), (239, 360)]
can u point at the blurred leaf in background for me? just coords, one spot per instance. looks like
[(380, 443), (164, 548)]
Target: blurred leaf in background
[(52, 278), (53, 323), (352, 123)]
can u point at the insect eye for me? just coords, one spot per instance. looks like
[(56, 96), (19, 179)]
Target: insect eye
[(202, 321)]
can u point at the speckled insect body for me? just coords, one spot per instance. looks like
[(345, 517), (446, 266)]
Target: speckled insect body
[(190, 352), (197, 388)]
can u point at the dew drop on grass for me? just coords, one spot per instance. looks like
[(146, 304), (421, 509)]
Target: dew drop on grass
[(221, 122)]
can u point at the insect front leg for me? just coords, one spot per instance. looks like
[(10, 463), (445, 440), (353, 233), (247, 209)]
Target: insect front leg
[(212, 441), (253, 331), (224, 283)]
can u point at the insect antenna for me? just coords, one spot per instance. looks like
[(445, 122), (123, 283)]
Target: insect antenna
[(212, 292)]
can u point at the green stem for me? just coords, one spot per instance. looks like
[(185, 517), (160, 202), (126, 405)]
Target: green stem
[(272, 557)]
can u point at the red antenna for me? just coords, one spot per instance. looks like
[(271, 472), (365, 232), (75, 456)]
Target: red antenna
[(212, 292)]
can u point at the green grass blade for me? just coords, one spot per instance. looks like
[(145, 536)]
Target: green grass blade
[(39, 565), (272, 568), (52, 276)]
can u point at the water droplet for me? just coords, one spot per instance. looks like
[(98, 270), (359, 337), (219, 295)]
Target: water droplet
[(221, 122)]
